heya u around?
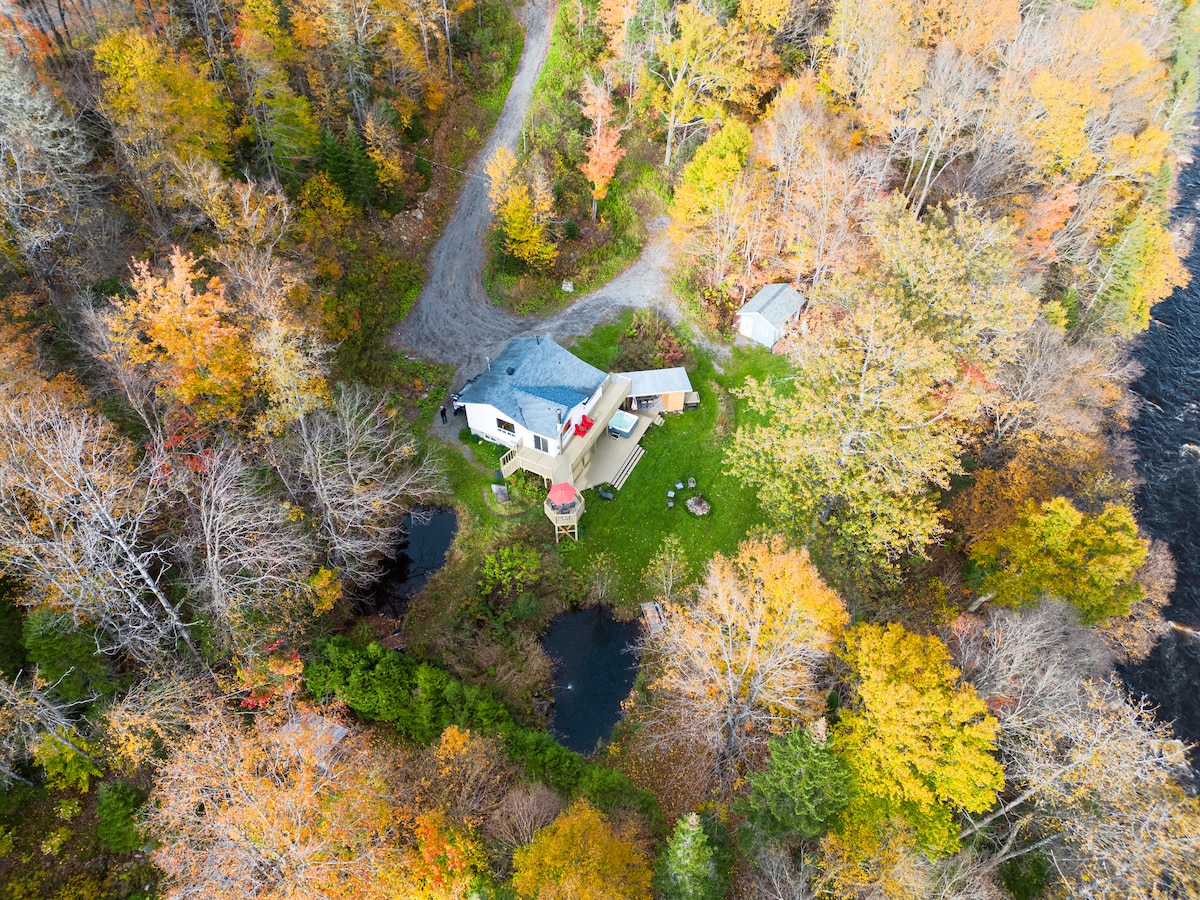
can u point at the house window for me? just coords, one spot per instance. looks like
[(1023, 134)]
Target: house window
[(506, 427), (540, 443)]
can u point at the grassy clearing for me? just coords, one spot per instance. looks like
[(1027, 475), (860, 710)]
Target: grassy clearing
[(631, 528)]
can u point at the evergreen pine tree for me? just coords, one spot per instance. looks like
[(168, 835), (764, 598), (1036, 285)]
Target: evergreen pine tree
[(800, 792), (334, 160), (687, 868), (362, 184)]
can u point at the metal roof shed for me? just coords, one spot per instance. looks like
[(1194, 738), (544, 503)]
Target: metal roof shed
[(663, 389)]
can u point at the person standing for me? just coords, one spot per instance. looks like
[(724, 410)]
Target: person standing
[(443, 413)]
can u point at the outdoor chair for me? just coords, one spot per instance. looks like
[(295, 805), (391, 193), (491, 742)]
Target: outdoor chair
[(679, 485), (670, 495), (670, 504), (691, 484)]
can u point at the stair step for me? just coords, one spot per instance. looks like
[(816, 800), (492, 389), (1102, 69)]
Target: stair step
[(636, 455)]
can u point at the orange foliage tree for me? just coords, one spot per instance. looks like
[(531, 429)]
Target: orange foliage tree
[(186, 335), (741, 661), (603, 151), (269, 812)]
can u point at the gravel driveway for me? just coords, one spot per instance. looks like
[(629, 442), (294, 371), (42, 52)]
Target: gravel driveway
[(454, 320)]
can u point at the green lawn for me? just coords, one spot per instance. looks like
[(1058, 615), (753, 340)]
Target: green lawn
[(690, 444)]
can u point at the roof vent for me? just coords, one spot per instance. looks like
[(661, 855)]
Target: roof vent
[(511, 371)]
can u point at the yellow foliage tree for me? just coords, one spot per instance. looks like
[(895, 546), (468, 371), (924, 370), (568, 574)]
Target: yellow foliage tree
[(162, 108), (522, 203), (582, 856), (919, 745), (740, 663)]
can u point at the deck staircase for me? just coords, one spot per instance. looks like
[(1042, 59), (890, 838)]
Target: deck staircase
[(623, 474)]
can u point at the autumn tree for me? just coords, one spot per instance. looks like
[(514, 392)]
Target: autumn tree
[(280, 121), (603, 149), (710, 172), (269, 811), (358, 471), (1056, 550), (1111, 803), (292, 369), (78, 506), (161, 108), (702, 66), (32, 717), (940, 125), (918, 744), (186, 336), (522, 207), (722, 210), (1053, 388), (668, 569), (874, 61), (820, 184), (582, 856), (1096, 784), (249, 565), (43, 186), (344, 40), (743, 660), (871, 422), (150, 719), (1140, 268), (468, 775), (955, 276)]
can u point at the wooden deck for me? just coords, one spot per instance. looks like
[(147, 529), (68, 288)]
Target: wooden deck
[(572, 463), (565, 523)]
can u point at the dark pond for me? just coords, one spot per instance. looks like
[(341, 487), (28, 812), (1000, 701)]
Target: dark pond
[(430, 533), (594, 669), (1167, 433)]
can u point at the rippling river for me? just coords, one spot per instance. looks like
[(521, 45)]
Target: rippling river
[(1167, 433)]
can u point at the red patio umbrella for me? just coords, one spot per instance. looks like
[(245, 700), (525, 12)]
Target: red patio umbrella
[(562, 493)]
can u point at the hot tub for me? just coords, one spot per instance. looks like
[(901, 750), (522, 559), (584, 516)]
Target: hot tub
[(622, 424)]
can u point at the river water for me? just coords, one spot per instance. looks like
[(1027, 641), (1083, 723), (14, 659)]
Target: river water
[(1167, 434)]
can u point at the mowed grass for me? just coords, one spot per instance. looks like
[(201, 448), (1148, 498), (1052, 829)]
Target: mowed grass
[(631, 528)]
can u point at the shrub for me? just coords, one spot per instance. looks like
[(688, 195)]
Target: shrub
[(423, 700)]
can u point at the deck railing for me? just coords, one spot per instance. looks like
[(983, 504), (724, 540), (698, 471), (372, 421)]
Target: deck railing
[(530, 460)]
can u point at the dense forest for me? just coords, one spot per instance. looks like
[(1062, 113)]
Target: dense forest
[(888, 672)]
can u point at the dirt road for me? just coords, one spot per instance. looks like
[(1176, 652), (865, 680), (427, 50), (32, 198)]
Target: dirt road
[(453, 320)]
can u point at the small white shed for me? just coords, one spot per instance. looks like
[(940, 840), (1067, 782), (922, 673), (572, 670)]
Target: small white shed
[(766, 316)]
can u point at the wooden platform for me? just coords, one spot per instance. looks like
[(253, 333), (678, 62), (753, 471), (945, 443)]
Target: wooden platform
[(655, 619)]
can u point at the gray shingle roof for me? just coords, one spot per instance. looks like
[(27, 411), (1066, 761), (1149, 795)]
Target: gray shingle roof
[(776, 303), (534, 381)]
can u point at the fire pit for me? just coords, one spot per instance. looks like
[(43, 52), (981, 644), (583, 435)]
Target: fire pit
[(698, 506)]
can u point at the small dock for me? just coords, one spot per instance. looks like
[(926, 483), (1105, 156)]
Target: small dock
[(654, 616)]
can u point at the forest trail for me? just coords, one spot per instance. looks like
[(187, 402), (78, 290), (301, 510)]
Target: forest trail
[(453, 320)]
